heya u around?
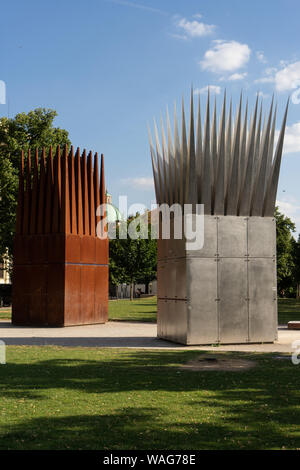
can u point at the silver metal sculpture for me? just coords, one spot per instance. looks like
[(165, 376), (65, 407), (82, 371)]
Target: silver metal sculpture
[(225, 292)]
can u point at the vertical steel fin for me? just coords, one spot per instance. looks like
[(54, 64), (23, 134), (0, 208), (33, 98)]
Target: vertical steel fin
[(78, 184), (42, 194), (259, 189), (220, 178), (270, 198), (184, 157), (20, 206), (199, 152), (232, 201), (35, 193), (206, 175), (246, 192), (171, 162), (91, 199), (85, 197), (72, 191), (192, 192)]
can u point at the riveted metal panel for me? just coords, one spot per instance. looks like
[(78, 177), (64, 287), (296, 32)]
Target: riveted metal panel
[(172, 320), (202, 301), (232, 236), (162, 250), (210, 240), (181, 279), (170, 281), (162, 286), (262, 303), (261, 237), (233, 310)]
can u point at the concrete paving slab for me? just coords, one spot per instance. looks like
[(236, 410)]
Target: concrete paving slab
[(125, 335)]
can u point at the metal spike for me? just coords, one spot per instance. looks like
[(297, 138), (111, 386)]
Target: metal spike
[(192, 193), (206, 175), (177, 153), (199, 152), (270, 197), (246, 193), (171, 162), (154, 168), (232, 198), (220, 175), (259, 188), (183, 158)]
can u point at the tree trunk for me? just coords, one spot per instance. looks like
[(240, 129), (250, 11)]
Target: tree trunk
[(131, 291), (147, 288)]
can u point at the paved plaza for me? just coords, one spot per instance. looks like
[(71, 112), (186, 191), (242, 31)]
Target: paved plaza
[(125, 335)]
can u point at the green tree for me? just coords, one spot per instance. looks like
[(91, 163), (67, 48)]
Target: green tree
[(32, 130), (296, 271), (132, 260), (285, 254)]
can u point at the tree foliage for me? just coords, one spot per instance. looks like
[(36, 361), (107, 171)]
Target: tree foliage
[(32, 130), (132, 260), (286, 247)]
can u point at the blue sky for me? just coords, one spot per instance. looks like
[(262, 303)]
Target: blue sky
[(109, 66)]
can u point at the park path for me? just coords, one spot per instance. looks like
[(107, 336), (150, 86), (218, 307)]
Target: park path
[(124, 335)]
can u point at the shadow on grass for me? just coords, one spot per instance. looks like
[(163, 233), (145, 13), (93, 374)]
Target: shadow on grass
[(139, 399)]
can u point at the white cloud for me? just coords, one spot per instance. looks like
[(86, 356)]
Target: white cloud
[(143, 182), (285, 79), (261, 94), (288, 78), (214, 89), (290, 207), (237, 76), (261, 57), (291, 138), (194, 28), (226, 56), (264, 80)]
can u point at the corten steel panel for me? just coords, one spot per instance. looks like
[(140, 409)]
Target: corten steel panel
[(38, 295), (87, 283), (261, 237), (102, 252), (101, 294), (55, 294), (263, 300), (20, 294), (232, 236), (72, 249), (72, 294), (209, 249), (232, 292), (55, 264), (88, 249), (202, 301)]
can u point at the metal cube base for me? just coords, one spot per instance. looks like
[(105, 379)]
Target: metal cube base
[(224, 293), (60, 280)]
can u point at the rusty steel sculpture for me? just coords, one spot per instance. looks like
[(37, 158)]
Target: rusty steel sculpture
[(60, 271), (226, 291)]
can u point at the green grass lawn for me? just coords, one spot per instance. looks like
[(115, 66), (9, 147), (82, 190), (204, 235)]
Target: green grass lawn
[(145, 310), (136, 310), (288, 310), (5, 313), (81, 398)]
